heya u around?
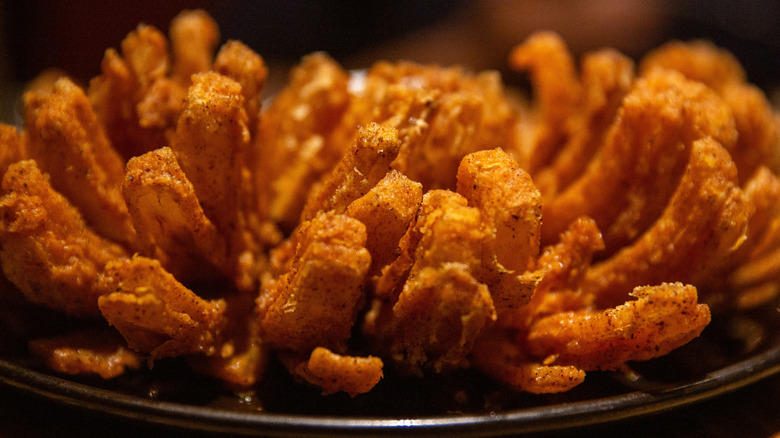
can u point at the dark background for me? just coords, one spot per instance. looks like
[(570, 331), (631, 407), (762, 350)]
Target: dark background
[(72, 35)]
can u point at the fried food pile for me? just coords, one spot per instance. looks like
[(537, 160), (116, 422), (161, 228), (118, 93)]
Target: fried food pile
[(418, 217)]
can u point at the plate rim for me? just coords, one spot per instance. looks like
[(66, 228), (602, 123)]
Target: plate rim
[(543, 418)]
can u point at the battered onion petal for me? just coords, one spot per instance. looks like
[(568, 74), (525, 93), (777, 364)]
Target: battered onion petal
[(606, 77), (759, 131), (360, 169), (629, 182), (211, 144), (170, 221), (102, 352), (133, 98), (387, 211), (67, 142), (432, 317), (315, 303), (498, 355), (699, 232), (510, 204), (437, 318), (510, 207), (155, 313), (46, 248), (194, 36), (557, 91), (240, 63), (337, 373), (561, 269), (755, 280), (661, 319), (698, 60), (293, 144), (441, 115)]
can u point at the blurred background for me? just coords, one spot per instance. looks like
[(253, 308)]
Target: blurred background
[(36, 35)]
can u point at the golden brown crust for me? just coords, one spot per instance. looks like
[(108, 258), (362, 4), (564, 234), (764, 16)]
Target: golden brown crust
[(46, 248), (155, 313), (337, 373), (293, 145), (706, 221), (240, 63), (557, 90), (170, 220), (387, 211), (194, 36), (101, 352), (500, 356), (315, 303), (661, 319), (416, 212), (67, 142)]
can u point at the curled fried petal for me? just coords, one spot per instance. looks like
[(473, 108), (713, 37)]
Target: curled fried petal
[(441, 114), (606, 78), (463, 239), (101, 352), (146, 53), (155, 313), (756, 279), (493, 182), (561, 269), (392, 102), (158, 111), (194, 36), (337, 373), (315, 303), (240, 63), (498, 355), (359, 170), (437, 318), (472, 116), (451, 134), (388, 284), (67, 142), (210, 142), (565, 263), (48, 251), (293, 144), (661, 319), (755, 268), (436, 308), (510, 207), (629, 181), (386, 210), (759, 132), (451, 231), (698, 233), (112, 94), (699, 60), (132, 97), (169, 218), (557, 91)]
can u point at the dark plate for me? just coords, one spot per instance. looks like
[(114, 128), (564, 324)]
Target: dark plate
[(734, 351)]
